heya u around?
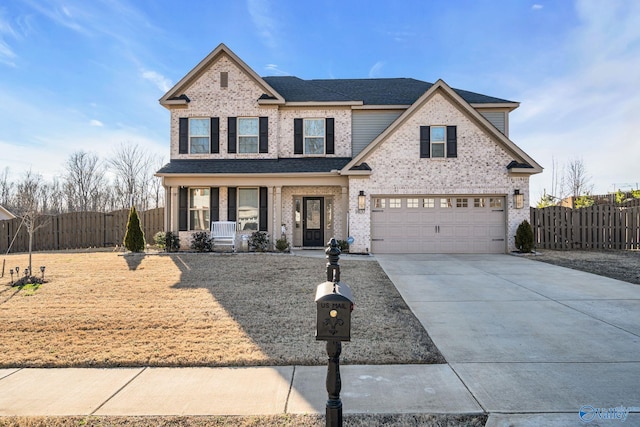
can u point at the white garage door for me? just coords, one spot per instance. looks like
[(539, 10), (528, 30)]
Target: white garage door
[(438, 224)]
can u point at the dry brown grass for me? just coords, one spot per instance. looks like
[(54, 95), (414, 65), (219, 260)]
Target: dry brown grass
[(358, 420), (104, 309), (621, 265)]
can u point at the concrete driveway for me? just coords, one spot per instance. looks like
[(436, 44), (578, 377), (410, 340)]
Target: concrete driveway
[(534, 343)]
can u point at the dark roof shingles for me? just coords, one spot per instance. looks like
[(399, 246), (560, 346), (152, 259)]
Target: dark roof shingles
[(394, 91), (257, 166)]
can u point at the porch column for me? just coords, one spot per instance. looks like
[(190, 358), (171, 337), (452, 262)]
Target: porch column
[(278, 213), (271, 228), (224, 203), (167, 208), (174, 205), (346, 211)]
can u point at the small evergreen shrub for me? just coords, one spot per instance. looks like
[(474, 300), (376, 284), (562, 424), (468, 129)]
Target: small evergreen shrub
[(524, 237), (134, 237), (167, 241), (201, 242), (343, 245), (282, 245), (259, 241)]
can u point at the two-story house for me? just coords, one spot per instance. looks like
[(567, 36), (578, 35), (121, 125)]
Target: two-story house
[(398, 165)]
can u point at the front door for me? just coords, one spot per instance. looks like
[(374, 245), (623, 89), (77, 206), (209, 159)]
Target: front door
[(313, 221)]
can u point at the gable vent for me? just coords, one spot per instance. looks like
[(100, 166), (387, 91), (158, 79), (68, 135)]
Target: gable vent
[(224, 79)]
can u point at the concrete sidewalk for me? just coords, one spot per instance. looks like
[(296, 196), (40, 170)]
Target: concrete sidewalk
[(532, 342), (230, 391)]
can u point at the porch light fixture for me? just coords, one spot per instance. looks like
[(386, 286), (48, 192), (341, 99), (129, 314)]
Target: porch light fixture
[(518, 199), (362, 201)]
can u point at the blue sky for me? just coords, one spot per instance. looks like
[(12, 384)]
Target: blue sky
[(87, 75)]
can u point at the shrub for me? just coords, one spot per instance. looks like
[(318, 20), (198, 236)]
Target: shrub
[(524, 237), (282, 245), (168, 241), (201, 242), (134, 237), (343, 245), (259, 241)]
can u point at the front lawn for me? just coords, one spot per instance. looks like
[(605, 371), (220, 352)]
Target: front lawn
[(103, 309)]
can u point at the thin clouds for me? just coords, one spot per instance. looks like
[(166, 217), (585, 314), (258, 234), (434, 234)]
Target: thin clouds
[(589, 109), (7, 55), (265, 23), (273, 69), (96, 123), (162, 82), (375, 70), (537, 7)]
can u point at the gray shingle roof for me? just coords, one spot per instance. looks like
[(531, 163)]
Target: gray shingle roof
[(397, 91), (233, 166)]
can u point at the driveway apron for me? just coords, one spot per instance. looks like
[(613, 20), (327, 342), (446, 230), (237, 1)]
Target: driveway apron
[(527, 337)]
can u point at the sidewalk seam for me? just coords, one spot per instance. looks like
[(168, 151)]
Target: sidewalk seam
[(12, 373), (467, 388), (286, 402), (118, 391)]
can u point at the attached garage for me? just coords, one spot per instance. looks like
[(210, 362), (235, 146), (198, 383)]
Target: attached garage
[(438, 224)]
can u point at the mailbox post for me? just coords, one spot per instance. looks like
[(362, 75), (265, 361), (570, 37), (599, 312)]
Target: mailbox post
[(334, 303)]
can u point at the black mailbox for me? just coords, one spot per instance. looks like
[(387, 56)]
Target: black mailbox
[(334, 305)]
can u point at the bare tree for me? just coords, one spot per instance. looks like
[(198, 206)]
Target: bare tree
[(131, 167), (576, 181), (52, 197), (84, 182), (156, 191), (28, 204), (5, 188)]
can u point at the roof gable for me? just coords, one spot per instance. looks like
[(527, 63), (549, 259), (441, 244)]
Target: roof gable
[(452, 96), (175, 95)]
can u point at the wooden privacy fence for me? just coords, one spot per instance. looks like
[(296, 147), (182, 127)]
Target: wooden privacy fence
[(77, 230), (595, 227)]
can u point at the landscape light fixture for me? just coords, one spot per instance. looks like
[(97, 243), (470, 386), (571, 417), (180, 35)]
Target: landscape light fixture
[(17, 271), (11, 272), (42, 271), (362, 201), (518, 199)]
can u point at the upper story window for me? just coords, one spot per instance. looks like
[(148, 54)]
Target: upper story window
[(248, 132), (438, 141), (247, 135), (314, 136), (198, 135), (199, 132)]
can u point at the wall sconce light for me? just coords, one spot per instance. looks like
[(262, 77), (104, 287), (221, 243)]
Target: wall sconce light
[(362, 201), (518, 199)]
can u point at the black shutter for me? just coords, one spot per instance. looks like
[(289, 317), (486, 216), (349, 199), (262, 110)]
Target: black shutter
[(232, 200), (452, 141), (263, 215), (214, 204), (425, 139), (329, 124), (183, 208), (183, 135), (264, 135), (297, 136), (231, 135), (215, 135)]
